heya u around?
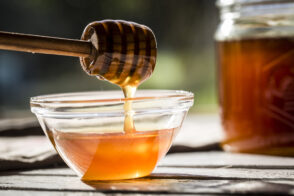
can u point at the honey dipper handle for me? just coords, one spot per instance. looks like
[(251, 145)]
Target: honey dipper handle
[(45, 45)]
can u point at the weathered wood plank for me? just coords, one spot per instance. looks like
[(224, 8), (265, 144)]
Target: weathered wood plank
[(206, 173), (20, 127), (55, 193), (48, 193), (225, 173), (163, 180), (27, 152), (181, 172), (223, 159), (212, 165)]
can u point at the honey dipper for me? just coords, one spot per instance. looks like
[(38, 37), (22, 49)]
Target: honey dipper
[(122, 52)]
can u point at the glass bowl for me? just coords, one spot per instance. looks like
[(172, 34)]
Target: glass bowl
[(87, 130)]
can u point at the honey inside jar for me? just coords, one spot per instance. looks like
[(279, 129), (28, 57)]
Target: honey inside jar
[(256, 88)]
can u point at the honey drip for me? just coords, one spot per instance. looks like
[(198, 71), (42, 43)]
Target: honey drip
[(129, 92)]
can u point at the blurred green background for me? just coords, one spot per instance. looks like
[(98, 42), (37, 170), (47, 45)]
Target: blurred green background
[(184, 31)]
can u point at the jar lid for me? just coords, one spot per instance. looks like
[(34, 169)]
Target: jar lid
[(225, 3), (231, 9)]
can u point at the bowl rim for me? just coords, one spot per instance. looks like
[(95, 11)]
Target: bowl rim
[(50, 98), (67, 104)]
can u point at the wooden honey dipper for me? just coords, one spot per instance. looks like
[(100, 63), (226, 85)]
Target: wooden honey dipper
[(122, 52)]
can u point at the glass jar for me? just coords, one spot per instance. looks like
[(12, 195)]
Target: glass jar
[(255, 49)]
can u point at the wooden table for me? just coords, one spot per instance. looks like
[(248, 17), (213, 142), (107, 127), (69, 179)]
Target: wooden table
[(203, 173), (193, 173)]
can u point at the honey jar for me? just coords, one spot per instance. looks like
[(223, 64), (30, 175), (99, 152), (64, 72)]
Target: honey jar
[(255, 55)]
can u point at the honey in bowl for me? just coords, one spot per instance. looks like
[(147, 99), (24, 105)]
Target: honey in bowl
[(113, 156), (256, 87)]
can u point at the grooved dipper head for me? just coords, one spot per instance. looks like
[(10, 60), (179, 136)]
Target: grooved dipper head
[(124, 53)]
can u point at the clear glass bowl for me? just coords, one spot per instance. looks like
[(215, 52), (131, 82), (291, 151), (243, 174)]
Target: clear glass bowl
[(87, 130)]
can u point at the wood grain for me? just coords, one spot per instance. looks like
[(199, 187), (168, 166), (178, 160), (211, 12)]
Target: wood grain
[(177, 174), (44, 44)]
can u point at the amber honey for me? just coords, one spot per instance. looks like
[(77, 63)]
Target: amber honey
[(115, 155), (256, 88)]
